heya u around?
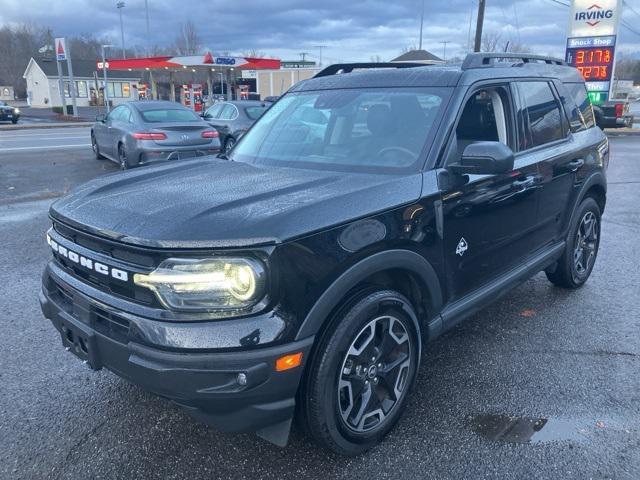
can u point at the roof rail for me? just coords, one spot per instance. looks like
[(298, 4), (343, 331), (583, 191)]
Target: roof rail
[(349, 67), (483, 60)]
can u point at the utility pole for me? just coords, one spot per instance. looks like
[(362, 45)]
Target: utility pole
[(479, 24), (444, 49), (120, 6), (421, 23), (72, 82), (105, 90), (320, 47), (303, 55)]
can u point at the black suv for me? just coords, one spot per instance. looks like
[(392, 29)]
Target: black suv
[(371, 208)]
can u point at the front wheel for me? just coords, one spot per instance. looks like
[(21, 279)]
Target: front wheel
[(14, 120), (361, 373), (575, 266), (95, 147)]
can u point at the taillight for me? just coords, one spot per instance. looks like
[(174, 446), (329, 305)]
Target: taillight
[(619, 109), (149, 136), (210, 134)]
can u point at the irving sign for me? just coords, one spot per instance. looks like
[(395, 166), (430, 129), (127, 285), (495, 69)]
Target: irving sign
[(591, 18)]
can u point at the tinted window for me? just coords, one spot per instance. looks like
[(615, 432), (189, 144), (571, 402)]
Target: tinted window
[(254, 113), (229, 112), (576, 122), (117, 114), (169, 115), (543, 114), (215, 110), (381, 130), (579, 93)]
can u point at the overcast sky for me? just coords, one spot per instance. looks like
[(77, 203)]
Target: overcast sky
[(351, 29)]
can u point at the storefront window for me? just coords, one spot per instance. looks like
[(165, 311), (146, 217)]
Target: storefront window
[(126, 90)]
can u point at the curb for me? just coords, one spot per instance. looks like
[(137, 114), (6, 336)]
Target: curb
[(35, 126), (622, 132)]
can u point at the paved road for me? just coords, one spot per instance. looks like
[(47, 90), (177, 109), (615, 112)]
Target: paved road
[(572, 358)]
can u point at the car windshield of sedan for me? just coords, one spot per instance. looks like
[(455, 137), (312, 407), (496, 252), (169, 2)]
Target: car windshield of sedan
[(372, 130), (169, 115)]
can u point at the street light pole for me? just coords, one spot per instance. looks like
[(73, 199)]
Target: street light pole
[(120, 6), (444, 49), (105, 90), (479, 24), (421, 22), (320, 47)]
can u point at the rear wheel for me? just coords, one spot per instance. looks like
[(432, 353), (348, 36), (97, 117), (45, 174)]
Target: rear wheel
[(228, 144), (575, 266), (123, 160), (358, 382)]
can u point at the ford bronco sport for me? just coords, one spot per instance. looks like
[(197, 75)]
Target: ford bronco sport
[(370, 209)]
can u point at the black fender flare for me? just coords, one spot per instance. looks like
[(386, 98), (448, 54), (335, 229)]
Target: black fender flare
[(596, 178), (378, 262)]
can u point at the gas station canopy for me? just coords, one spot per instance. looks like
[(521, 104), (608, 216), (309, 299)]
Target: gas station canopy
[(191, 61)]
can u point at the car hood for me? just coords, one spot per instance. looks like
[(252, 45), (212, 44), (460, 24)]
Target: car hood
[(218, 203)]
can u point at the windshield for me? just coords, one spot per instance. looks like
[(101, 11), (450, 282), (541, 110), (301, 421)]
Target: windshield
[(169, 115), (373, 130)]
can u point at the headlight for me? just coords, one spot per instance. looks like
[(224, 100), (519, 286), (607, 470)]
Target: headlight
[(16, 110), (216, 284)]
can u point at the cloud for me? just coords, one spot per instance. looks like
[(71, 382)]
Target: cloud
[(351, 30)]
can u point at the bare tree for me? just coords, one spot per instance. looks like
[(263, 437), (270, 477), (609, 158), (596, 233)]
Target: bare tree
[(188, 41), (490, 42), (253, 53), (376, 59), (408, 48)]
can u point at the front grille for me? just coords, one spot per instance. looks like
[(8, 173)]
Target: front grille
[(114, 255)]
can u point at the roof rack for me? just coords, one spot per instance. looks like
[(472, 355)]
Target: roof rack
[(483, 60), (349, 67)]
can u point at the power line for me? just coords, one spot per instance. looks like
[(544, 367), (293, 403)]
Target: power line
[(630, 7)]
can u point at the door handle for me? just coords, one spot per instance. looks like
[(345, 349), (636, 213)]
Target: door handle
[(522, 185), (575, 164)]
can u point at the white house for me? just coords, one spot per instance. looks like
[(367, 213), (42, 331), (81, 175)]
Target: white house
[(43, 89)]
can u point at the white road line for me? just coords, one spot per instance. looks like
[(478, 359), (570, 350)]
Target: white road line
[(6, 140), (9, 149)]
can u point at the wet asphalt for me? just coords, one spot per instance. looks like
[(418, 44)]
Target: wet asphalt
[(569, 361)]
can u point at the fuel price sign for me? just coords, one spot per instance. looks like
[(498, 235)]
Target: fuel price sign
[(595, 64)]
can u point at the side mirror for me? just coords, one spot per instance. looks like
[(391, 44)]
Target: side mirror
[(485, 158), (100, 118)]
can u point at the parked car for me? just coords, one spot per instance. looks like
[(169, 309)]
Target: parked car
[(9, 113), (232, 119), (613, 114), (301, 275), (148, 131)]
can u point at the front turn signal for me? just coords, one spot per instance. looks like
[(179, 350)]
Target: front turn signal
[(287, 362)]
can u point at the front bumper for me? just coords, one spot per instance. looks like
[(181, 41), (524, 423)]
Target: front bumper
[(203, 381), (8, 117)]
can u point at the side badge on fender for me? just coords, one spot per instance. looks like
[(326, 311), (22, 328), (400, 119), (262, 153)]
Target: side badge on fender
[(462, 247)]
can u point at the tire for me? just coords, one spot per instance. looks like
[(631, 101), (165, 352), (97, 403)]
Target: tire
[(576, 264), (14, 120), (350, 358), (95, 148), (123, 159), (228, 144)]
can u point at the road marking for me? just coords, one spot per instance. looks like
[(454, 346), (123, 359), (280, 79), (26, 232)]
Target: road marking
[(45, 148), (33, 135)]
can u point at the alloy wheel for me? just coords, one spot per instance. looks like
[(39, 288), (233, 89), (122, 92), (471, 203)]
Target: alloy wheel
[(586, 246), (122, 156), (374, 374)]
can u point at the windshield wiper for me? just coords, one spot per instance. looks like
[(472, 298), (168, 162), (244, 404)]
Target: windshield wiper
[(223, 156)]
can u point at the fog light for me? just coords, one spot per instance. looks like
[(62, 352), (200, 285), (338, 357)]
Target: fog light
[(242, 379)]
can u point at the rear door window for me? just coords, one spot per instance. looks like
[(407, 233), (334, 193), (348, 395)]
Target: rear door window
[(579, 93), (543, 115), (229, 112)]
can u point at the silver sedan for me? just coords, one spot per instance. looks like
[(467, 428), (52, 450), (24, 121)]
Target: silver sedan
[(142, 132)]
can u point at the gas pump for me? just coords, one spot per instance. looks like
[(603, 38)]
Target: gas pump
[(244, 92), (191, 96), (143, 91)]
